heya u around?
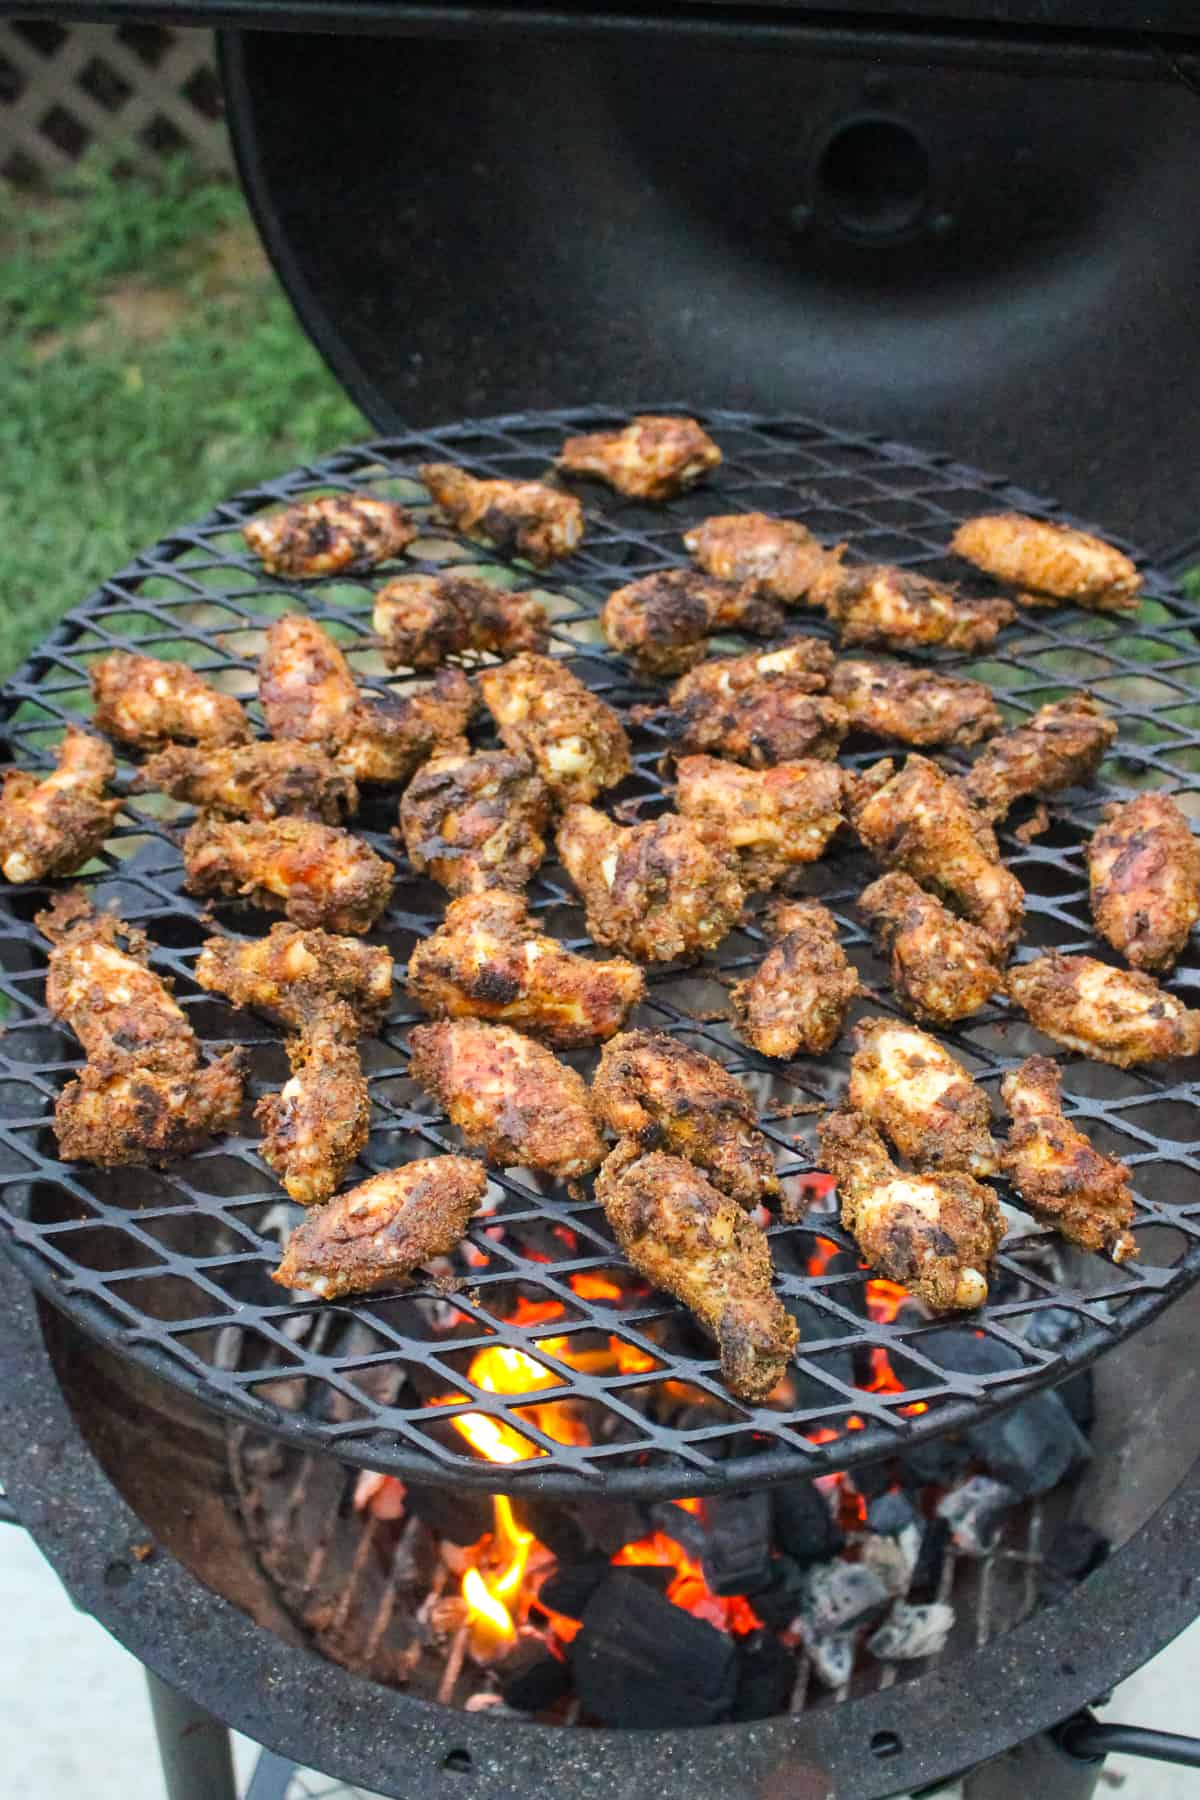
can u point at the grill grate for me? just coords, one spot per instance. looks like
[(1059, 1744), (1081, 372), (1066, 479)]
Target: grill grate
[(170, 1267)]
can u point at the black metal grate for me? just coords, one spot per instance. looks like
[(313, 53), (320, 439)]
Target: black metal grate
[(170, 1267)]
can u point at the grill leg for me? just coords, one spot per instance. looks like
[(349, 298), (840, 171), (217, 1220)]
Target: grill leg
[(1035, 1768), (197, 1757)]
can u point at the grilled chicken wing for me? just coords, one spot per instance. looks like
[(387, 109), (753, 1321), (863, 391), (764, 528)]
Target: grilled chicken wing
[(334, 535), (262, 780), (661, 623), (475, 821), (781, 557), (381, 1231), (900, 610), (508, 1095), (316, 874), (1061, 746), (1059, 1176), (536, 521), (52, 824), (769, 820), (544, 712), (146, 703), (652, 458), (937, 1236), (657, 891), (423, 619), (942, 968), (692, 1241), (1054, 563), (488, 960), (921, 822), (666, 1095), (1114, 1015), (909, 1086), (1144, 871), (913, 706), (291, 975), (319, 1121), (759, 709), (795, 1002)]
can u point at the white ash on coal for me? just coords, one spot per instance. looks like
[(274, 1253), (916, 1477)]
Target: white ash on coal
[(831, 1656), (975, 1511), (910, 1633)]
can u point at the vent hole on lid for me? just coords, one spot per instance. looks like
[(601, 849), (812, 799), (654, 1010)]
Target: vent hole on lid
[(885, 1744), (457, 1762), (873, 178)]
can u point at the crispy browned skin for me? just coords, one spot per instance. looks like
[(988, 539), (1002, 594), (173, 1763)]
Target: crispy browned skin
[(654, 457), (316, 874), (1114, 1015), (488, 960), (795, 1002), (759, 709), (536, 521), (52, 824), (291, 974), (661, 623), (694, 1242), (475, 821), (913, 706), (657, 891), (909, 1087), (781, 557), (936, 1235), (666, 1095), (1057, 1173), (1144, 872), (382, 1230), (920, 821), (262, 780), (423, 619), (769, 820), (147, 703), (507, 1095), (544, 712), (1053, 562), (1062, 746), (330, 536), (942, 968), (319, 1121), (900, 610)]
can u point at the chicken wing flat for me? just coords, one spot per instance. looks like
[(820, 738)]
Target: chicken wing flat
[(337, 534), (900, 610), (942, 968), (488, 960), (534, 520), (921, 822), (770, 821), (795, 1002), (759, 709), (655, 891), (913, 706), (1144, 873), (909, 1086), (936, 1235), (1114, 1015), (1059, 1176), (1054, 563), (652, 458), (53, 824), (507, 1095), (781, 557), (662, 622), (319, 1121), (695, 1243), (475, 821), (291, 974), (1062, 746), (316, 874), (262, 780), (662, 1093), (423, 619), (135, 1116), (148, 703), (381, 1231), (542, 711)]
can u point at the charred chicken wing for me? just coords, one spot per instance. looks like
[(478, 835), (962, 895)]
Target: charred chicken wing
[(544, 712), (795, 1002), (291, 975), (1144, 871), (534, 520), (423, 619), (662, 622), (782, 558), (913, 706), (770, 821), (1114, 1015), (1053, 563), (263, 780), (147, 703), (653, 458), (909, 1087), (1059, 1176), (900, 610), (337, 534), (319, 1121), (475, 821), (1061, 746), (942, 968), (759, 709), (316, 874), (52, 824)]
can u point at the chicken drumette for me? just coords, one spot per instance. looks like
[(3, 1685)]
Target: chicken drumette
[(937, 1236), (52, 824), (544, 712), (333, 535), (536, 521), (652, 458), (316, 874), (319, 1121), (662, 622), (291, 974), (795, 1002), (509, 1096), (1053, 563), (489, 961), (1061, 746), (657, 891), (423, 619), (662, 1093), (760, 709), (1114, 1015), (147, 703), (942, 968), (1144, 872), (897, 609), (781, 557), (913, 706), (909, 1086), (1059, 1176), (769, 820), (475, 821), (381, 1231), (262, 780), (689, 1239)]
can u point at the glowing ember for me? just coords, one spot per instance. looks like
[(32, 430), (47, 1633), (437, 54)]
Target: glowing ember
[(689, 1589), (590, 1286), (884, 1300)]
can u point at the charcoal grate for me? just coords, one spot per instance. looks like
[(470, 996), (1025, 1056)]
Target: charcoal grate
[(170, 1266)]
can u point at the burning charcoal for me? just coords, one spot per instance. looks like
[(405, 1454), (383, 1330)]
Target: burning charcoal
[(533, 1682), (642, 1663), (931, 1560), (1075, 1551), (611, 1524), (568, 1590), (1054, 1328), (779, 1601), (804, 1525), (737, 1548), (975, 1513), (555, 1527), (1033, 1447), (910, 1632), (872, 1479), (766, 1677), (841, 1595), (686, 1528), (890, 1514), (893, 1559), (939, 1463), (832, 1658), (454, 1513)]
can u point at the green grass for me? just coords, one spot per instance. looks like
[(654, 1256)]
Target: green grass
[(149, 366)]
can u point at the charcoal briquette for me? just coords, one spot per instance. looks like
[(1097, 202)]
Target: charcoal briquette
[(1033, 1447), (890, 1514), (804, 1525), (641, 1663), (766, 1677), (736, 1557)]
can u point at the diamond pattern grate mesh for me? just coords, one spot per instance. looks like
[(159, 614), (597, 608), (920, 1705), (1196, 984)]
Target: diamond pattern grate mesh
[(170, 1267)]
